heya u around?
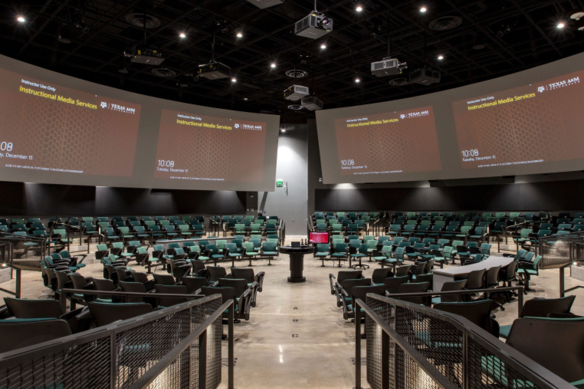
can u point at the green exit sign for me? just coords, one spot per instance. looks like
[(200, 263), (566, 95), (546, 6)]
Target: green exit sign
[(279, 183)]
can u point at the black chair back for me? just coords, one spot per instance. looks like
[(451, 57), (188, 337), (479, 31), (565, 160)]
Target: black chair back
[(23, 333), (415, 287), (555, 344), (246, 274), (239, 284), (194, 283), (539, 307), (428, 277), (379, 275), (33, 309), (135, 287), (392, 284), (216, 272), (476, 279), (452, 286), (163, 279), (171, 289), (107, 313), (478, 312), (348, 285), (360, 292), (198, 266), (63, 280), (493, 276), (347, 275), (403, 270)]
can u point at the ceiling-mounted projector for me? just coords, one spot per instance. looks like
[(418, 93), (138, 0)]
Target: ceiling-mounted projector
[(425, 76), (146, 56), (214, 71), (314, 26), (296, 92), (388, 67), (312, 103), (266, 3)]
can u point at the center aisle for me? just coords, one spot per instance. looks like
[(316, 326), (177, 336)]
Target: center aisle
[(296, 336)]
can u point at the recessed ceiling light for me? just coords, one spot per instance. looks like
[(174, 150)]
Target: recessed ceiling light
[(359, 8), (273, 64), (323, 46), (240, 34), (21, 19), (357, 80), (561, 25), (183, 35), (440, 57), (245, 98), (423, 9), (234, 79), (283, 130)]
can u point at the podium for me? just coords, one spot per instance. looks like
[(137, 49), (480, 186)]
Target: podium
[(296, 261)]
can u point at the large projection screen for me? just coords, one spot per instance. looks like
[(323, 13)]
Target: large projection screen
[(58, 129), (526, 123)]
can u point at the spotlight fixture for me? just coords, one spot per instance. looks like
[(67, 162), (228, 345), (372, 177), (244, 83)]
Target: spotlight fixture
[(357, 80), (561, 25), (273, 65), (283, 130), (183, 35), (245, 98), (359, 8), (440, 57), (323, 46), (21, 19), (423, 9), (234, 80), (239, 34)]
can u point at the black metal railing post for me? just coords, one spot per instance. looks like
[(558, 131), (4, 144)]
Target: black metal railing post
[(203, 360), (357, 346), (384, 360), (230, 354)]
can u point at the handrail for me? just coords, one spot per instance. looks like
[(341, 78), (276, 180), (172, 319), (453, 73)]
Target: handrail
[(400, 341), (526, 367), (201, 334)]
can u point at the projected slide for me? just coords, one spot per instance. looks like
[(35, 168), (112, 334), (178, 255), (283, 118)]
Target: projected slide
[(388, 143), (49, 128), (197, 147), (536, 123)]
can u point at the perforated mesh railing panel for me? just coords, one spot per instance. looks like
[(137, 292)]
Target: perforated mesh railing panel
[(559, 250), (444, 345), (87, 361)]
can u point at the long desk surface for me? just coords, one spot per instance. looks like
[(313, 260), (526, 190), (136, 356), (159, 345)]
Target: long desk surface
[(445, 275)]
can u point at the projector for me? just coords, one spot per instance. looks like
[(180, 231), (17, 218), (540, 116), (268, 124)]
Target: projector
[(266, 3), (312, 103), (314, 26), (388, 67), (424, 76), (296, 92), (214, 71), (145, 56)]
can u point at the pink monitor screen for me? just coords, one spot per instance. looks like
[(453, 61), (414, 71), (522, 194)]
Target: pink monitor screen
[(319, 237)]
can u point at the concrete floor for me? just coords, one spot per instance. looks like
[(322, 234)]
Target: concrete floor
[(296, 336)]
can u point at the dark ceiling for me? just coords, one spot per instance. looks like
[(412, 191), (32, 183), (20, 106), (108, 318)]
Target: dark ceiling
[(513, 34)]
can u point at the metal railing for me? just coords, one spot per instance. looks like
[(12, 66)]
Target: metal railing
[(559, 250), (175, 347), (413, 346), (26, 252)]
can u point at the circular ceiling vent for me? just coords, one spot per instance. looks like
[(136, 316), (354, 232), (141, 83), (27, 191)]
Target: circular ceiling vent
[(137, 20), (398, 81), (163, 72), (296, 73), (295, 107), (445, 23)]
